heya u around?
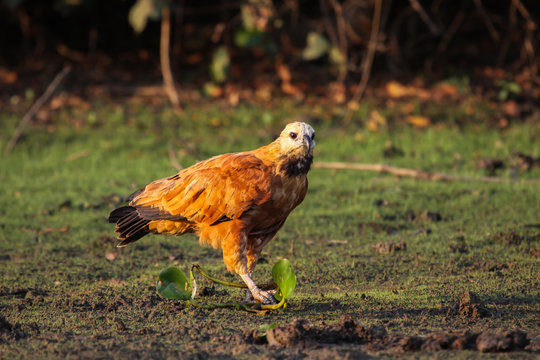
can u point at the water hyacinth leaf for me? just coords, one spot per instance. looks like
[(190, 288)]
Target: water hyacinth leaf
[(172, 283), (284, 277), (316, 46)]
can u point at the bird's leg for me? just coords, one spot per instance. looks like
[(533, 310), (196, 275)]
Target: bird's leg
[(235, 256), (264, 297)]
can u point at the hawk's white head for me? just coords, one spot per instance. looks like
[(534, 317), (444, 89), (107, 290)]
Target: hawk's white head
[(297, 142), (297, 138)]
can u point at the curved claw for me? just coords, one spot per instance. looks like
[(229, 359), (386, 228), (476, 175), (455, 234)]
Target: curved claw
[(265, 297)]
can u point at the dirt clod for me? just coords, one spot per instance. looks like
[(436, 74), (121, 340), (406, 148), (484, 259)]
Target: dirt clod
[(301, 334), (469, 306), (9, 331), (389, 247), (510, 340)]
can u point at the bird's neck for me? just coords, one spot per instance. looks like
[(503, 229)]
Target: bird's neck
[(289, 165)]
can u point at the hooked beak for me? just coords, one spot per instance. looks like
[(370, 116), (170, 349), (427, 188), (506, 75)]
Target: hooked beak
[(308, 142)]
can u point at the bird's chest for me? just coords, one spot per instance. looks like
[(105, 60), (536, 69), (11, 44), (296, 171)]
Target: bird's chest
[(288, 192)]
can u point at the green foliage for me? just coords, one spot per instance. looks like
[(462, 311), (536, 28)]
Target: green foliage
[(139, 14), (264, 328), (172, 283), (220, 64), (316, 46), (285, 278), (508, 89)]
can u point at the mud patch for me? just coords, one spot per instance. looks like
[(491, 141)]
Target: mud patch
[(10, 331), (301, 334), (207, 291)]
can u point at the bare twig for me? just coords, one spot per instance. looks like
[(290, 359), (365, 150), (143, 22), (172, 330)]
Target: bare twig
[(327, 24), (168, 80), (37, 105), (368, 59), (450, 32), (487, 21), (340, 19), (418, 174), (530, 27), (524, 12), (505, 44), (425, 17)]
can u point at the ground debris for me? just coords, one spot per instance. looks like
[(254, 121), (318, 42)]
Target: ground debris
[(508, 237), (9, 331), (301, 334), (525, 162), (389, 247), (206, 291), (490, 166), (510, 340), (428, 215), (469, 306)]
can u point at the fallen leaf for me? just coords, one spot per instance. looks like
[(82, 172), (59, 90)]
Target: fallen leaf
[(511, 108), (62, 229), (396, 90), (375, 121), (418, 121)]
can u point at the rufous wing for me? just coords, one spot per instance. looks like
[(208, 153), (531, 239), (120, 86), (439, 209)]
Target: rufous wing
[(218, 189)]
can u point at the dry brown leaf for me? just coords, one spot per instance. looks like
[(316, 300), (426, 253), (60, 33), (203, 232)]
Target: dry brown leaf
[(447, 89), (375, 121), (337, 92), (511, 108), (418, 121), (396, 90), (62, 229)]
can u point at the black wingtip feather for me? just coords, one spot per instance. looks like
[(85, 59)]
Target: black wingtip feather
[(130, 226)]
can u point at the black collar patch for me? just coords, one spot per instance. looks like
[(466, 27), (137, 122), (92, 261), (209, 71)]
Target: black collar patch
[(298, 166)]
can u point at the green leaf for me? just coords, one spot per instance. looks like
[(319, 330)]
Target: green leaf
[(220, 64), (284, 277), (139, 14), (265, 327), (316, 46), (336, 56), (172, 283), (248, 38), (514, 87)]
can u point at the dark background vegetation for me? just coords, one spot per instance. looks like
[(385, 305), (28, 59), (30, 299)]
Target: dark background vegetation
[(290, 47)]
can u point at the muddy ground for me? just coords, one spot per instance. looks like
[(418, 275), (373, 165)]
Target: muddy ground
[(385, 266)]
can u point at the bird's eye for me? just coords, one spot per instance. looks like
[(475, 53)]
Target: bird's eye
[(313, 136), (293, 135)]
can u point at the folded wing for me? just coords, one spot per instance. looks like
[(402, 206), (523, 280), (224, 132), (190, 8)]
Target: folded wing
[(212, 191)]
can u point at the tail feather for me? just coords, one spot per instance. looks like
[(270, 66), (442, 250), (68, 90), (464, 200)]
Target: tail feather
[(130, 226)]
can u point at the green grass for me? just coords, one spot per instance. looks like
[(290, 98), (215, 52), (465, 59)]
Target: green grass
[(70, 301)]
